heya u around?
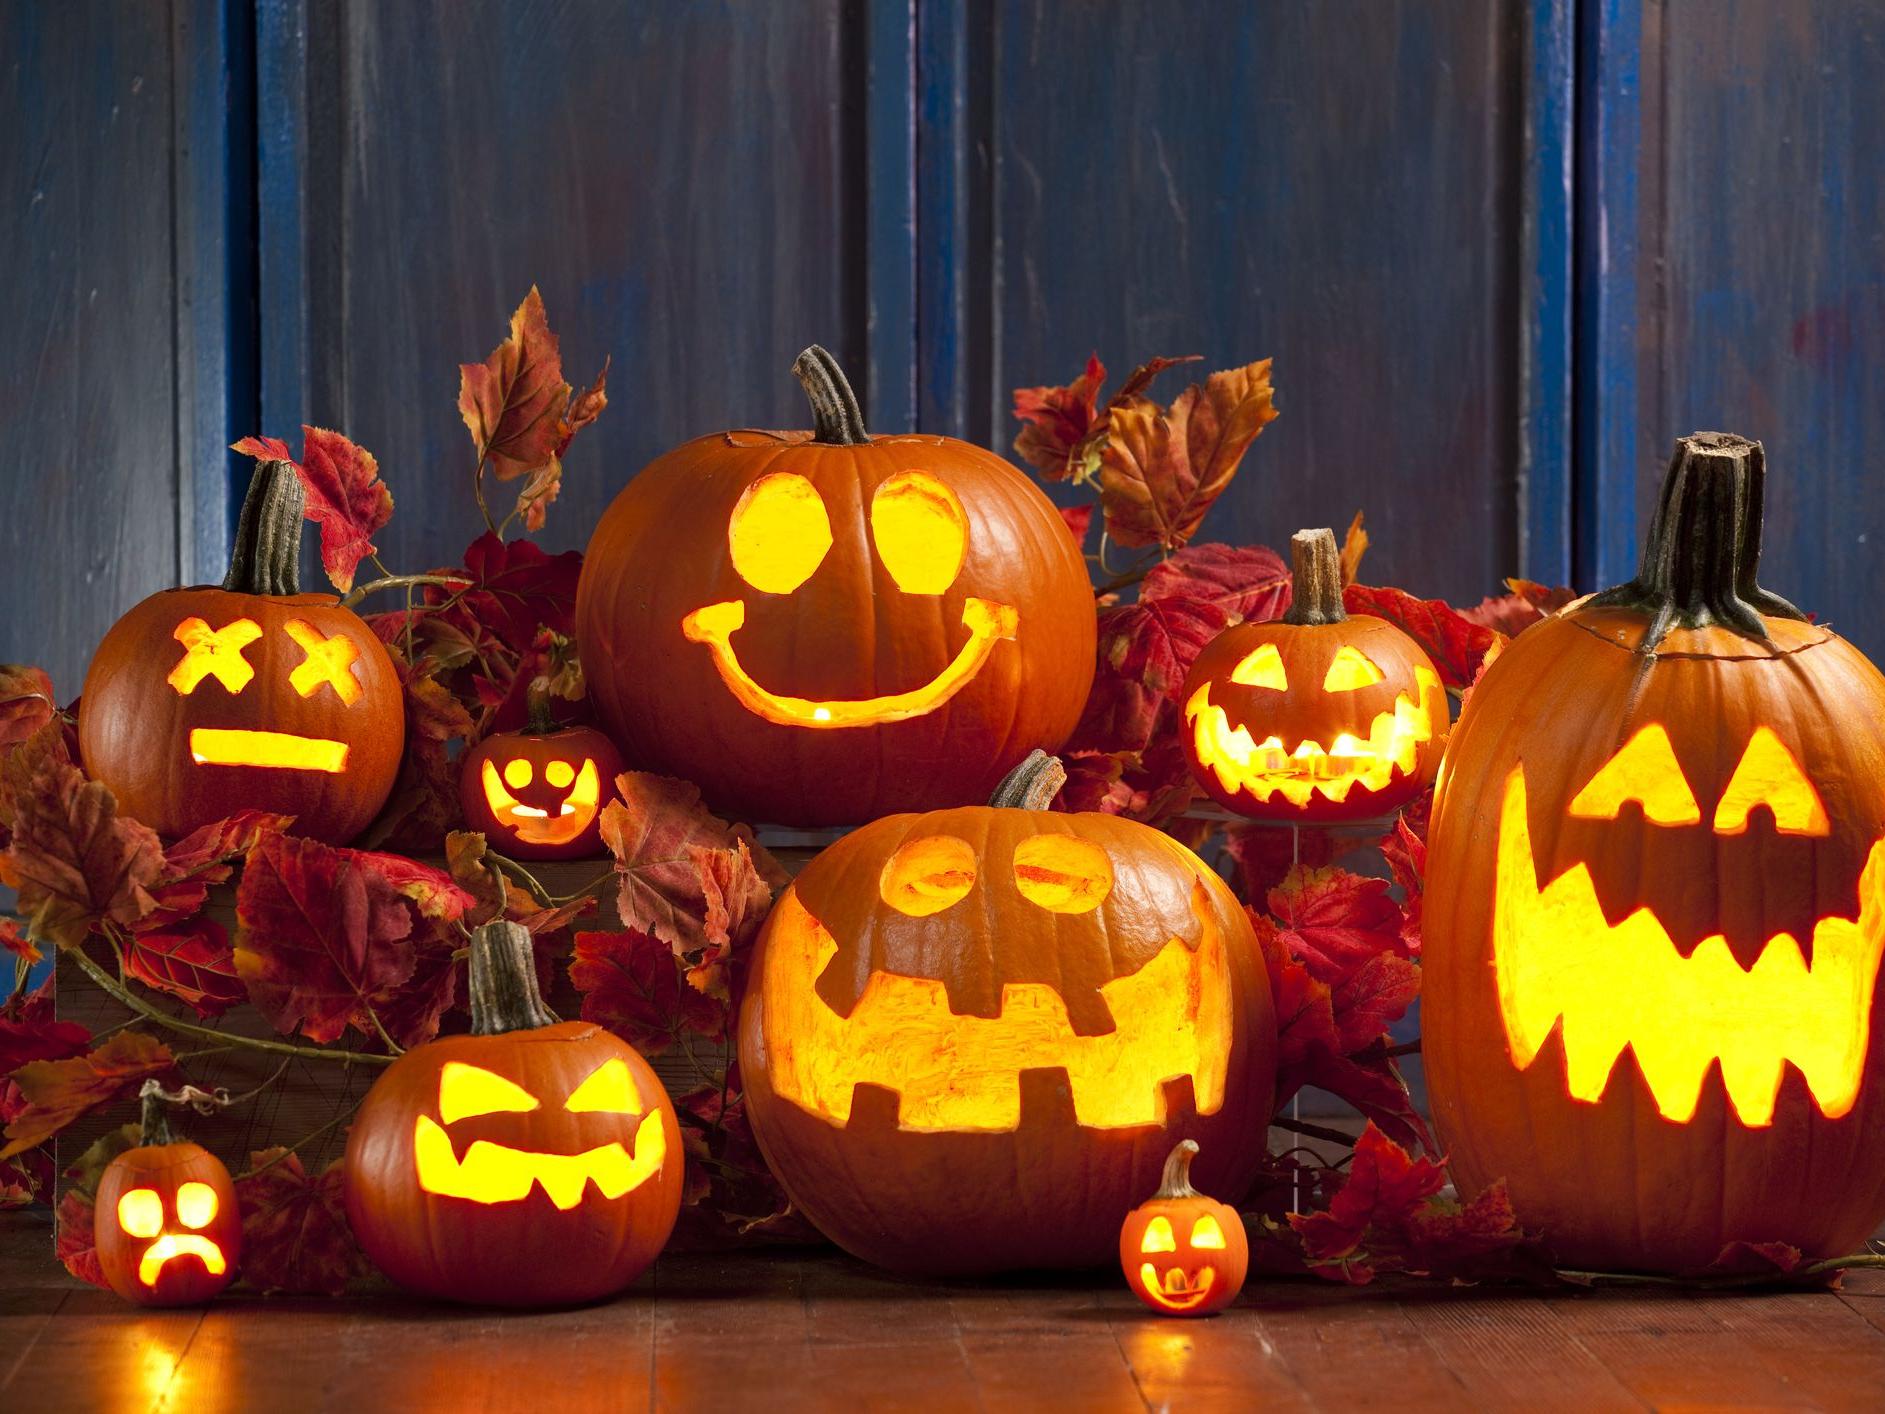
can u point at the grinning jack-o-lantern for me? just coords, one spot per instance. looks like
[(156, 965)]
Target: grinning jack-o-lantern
[(204, 701), (531, 1163), (165, 1222), (1319, 715), (539, 793), (1655, 908), (971, 1037), (825, 627), (1184, 1254)]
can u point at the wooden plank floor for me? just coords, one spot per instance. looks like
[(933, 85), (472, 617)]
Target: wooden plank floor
[(817, 1331)]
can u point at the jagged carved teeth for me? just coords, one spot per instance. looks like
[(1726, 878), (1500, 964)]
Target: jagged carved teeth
[(497, 1173)]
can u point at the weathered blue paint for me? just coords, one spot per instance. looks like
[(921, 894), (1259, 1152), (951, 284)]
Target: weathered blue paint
[(945, 212), (1545, 299), (283, 219), (890, 220)]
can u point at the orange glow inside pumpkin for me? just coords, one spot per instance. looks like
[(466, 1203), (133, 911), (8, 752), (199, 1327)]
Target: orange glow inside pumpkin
[(1350, 669), (779, 533), (921, 532), (534, 824), (329, 663), (222, 746), (213, 652), (141, 1214), (1558, 961)]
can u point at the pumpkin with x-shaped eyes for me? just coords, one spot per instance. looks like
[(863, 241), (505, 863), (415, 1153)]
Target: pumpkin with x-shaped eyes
[(1319, 715), (205, 701), (824, 627)]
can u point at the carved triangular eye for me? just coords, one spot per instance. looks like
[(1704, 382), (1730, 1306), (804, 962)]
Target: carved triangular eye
[(466, 1091), (1158, 1236), (610, 1089), (1206, 1232), (1768, 775), (1644, 770), (1350, 669), (1262, 668)]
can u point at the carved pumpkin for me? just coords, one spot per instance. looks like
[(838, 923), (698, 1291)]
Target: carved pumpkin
[(165, 1221), (1655, 907), (824, 627), (1319, 715), (201, 702), (971, 1036), (538, 794), (534, 1162), (1184, 1254)]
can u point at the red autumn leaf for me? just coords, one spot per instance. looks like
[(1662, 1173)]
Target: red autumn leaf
[(26, 703), (1079, 521), (433, 891), (75, 862), (204, 858), (74, 1242), (1524, 604), (56, 1092), (544, 485), (346, 497), (1264, 855), (1455, 644), (1154, 644), (736, 899), (1372, 998), (584, 408), (294, 1227), (1161, 468), (1405, 849), (192, 962), (29, 1032), (1778, 1259), (320, 938), (1250, 583), (516, 405), (1143, 376), (424, 801), (1334, 921), (1057, 420), (411, 1012), (517, 588), (631, 983), (13, 939)]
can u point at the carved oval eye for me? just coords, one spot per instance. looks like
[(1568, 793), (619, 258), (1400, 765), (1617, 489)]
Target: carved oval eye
[(1158, 1236), (1062, 873), (559, 773), (141, 1212), (1769, 775), (610, 1089), (466, 1091), (928, 875), (1350, 669), (1205, 1232), (1261, 668), (1645, 770), (779, 533), (921, 532), (196, 1204), (517, 773)]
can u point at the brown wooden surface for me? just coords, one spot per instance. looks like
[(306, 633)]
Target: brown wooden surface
[(812, 1330)]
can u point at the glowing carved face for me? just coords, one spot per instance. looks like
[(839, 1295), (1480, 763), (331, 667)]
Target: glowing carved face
[(1683, 1006), (141, 1215), (559, 820), (326, 665), (1169, 1019), (779, 534), (1170, 1273)]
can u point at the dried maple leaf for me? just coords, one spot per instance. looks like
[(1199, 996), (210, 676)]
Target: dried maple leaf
[(1371, 998), (518, 409), (1455, 643), (1250, 583), (1405, 849), (543, 487), (1161, 468), (736, 900), (26, 703), (202, 859), (1056, 422), (56, 1092), (1264, 855), (1334, 921), (15, 940), (1145, 650), (73, 1242), (295, 1235), (1354, 546), (1524, 604), (1079, 521), (192, 962), (517, 589), (631, 982), (346, 497)]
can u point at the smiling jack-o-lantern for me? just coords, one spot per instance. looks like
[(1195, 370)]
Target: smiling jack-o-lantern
[(1184, 1254), (970, 1037), (531, 1163), (204, 701), (1655, 908), (539, 793), (824, 627), (165, 1222), (1319, 715)]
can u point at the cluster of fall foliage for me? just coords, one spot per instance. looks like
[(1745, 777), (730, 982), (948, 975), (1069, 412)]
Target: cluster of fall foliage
[(355, 954)]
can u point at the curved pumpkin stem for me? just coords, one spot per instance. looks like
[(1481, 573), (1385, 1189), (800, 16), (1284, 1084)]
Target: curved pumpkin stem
[(154, 1115), (1701, 558), (1032, 785), (266, 556), (836, 416), (537, 699), (504, 994), (1177, 1180), (1315, 575)]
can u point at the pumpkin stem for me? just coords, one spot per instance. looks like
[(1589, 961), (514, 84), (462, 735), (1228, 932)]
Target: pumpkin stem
[(504, 995), (1315, 576), (537, 696), (1702, 555), (1032, 785), (266, 556), (154, 1115), (1177, 1180), (836, 417)]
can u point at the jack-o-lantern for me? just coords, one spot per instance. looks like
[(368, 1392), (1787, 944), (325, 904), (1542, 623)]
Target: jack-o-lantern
[(165, 1222), (1655, 908), (1318, 716), (253, 696), (823, 627), (970, 1037), (534, 1162), (539, 793), (1184, 1254)]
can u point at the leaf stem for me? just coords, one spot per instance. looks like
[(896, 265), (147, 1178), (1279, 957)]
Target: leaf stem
[(477, 489), (408, 581), (1313, 1131), (288, 1149)]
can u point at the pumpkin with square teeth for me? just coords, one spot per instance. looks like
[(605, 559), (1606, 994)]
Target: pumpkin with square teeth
[(957, 1022), (539, 793), (252, 696), (534, 1162), (1184, 1254), (824, 627), (1655, 908), (1318, 716)]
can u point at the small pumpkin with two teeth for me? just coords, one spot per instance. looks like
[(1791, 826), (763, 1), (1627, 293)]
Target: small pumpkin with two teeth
[(1184, 1254), (539, 793), (1318, 717)]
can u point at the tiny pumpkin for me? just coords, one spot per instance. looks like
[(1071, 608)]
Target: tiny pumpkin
[(1184, 1254), (539, 793), (534, 1162), (165, 1221), (1319, 716), (204, 701)]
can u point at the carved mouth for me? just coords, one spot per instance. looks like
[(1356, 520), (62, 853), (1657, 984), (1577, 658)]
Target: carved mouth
[(715, 624), (496, 1173), (1299, 770), (179, 1244), (283, 751), (534, 825), (1177, 1289), (1560, 965), (963, 1073)]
